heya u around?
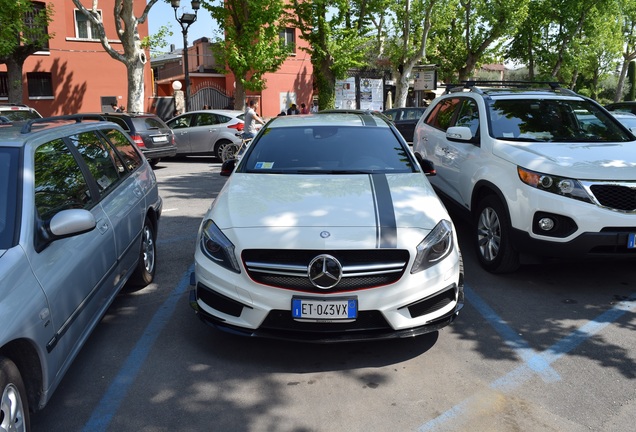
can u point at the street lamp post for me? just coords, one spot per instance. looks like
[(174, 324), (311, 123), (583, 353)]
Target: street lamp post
[(185, 21)]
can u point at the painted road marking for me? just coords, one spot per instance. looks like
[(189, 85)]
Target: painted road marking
[(117, 391), (526, 371)]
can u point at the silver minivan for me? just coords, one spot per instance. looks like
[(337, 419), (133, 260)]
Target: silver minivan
[(79, 212)]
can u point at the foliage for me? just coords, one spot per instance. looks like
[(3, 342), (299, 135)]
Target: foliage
[(157, 40), (252, 45), (339, 34)]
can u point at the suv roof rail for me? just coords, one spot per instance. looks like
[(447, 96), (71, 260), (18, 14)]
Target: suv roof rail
[(473, 86), (77, 117), (13, 104)]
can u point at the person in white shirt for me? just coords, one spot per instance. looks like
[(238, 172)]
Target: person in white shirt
[(251, 119)]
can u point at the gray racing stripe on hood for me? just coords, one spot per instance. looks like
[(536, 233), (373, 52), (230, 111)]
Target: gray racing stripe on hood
[(385, 212)]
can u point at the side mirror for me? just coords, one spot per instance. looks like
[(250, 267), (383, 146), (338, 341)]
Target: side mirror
[(227, 167), (66, 223), (428, 167), (459, 133)]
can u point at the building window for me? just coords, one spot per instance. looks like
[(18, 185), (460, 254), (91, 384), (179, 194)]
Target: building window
[(33, 30), (40, 84), (84, 29), (288, 39), (4, 85)]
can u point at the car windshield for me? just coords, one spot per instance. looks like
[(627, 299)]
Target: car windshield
[(19, 115), (8, 196), (327, 150), (553, 120)]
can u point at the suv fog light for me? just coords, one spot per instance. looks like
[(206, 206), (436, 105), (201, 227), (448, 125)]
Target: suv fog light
[(546, 224)]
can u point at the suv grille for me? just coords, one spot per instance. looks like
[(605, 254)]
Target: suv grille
[(361, 269), (620, 197)]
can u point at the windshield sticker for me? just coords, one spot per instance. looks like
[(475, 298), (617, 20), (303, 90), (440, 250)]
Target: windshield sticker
[(264, 165)]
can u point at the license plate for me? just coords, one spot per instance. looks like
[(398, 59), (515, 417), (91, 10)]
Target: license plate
[(325, 310), (631, 241), (160, 139)]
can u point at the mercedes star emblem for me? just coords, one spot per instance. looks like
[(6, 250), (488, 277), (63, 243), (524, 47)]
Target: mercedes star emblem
[(324, 271)]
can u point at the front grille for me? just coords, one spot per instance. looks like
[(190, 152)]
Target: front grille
[(361, 269), (616, 196), (282, 320)]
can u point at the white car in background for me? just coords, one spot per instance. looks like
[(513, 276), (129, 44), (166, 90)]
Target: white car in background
[(327, 230), (206, 132)]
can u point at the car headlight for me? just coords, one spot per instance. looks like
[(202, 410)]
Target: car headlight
[(435, 247), (216, 246), (563, 186)]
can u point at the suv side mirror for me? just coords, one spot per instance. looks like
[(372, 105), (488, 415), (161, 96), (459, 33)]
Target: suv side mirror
[(461, 134)]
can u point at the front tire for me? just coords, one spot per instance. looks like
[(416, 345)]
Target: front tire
[(145, 272), (14, 406), (493, 237)]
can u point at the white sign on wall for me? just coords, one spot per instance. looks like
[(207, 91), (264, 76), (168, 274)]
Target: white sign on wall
[(346, 94)]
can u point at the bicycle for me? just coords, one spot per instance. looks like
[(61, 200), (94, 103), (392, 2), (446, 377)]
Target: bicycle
[(234, 150)]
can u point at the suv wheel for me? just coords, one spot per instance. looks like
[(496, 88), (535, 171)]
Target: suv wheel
[(492, 236), (14, 411)]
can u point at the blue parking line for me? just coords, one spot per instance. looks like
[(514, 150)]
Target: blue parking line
[(525, 372), (112, 399), (512, 339)]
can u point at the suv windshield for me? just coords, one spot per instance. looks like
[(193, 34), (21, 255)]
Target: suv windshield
[(558, 120), (18, 115), (8, 194), (327, 150)]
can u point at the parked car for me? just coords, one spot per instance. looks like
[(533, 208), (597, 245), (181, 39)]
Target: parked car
[(17, 112), (627, 119), (405, 119), (327, 230), (79, 210), (629, 107), (541, 171), (151, 134), (375, 113), (206, 132)]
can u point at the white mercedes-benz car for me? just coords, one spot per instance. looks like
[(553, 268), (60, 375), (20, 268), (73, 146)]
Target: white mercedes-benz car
[(327, 230)]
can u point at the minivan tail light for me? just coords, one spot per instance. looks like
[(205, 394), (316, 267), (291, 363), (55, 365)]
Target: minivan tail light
[(137, 139)]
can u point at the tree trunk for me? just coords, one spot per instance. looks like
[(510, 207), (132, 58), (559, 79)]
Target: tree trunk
[(135, 74), (239, 95), (14, 80), (621, 81), (326, 82), (402, 89)]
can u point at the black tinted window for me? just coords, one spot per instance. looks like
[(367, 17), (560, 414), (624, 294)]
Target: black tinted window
[(147, 123), (128, 152), (8, 196), (100, 158), (59, 182), (441, 116), (560, 120), (328, 149), (206, 119)]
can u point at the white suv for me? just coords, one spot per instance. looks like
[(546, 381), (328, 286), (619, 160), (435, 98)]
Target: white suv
[(540, 170)]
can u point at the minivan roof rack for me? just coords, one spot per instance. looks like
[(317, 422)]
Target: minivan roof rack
[(77, 117)]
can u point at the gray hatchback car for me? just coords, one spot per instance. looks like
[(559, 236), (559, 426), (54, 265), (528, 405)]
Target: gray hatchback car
[(79, 212)]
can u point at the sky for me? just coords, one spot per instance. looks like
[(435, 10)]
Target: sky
[(162, 14)]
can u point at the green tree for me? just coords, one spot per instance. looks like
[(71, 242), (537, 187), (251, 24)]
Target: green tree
[(412, 21), (251, 45), (476, 31), (628, 17), (23, 32), (134, 55), (339, 33)]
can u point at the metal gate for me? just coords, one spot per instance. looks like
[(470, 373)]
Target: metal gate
[(209, 94)]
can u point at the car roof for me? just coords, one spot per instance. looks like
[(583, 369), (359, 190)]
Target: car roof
[(17, 135), (229, 113), (356, 118)]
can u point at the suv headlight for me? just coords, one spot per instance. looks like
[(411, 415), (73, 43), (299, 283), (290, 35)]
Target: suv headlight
[(435, 247), (216, 246), (563, 186)]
